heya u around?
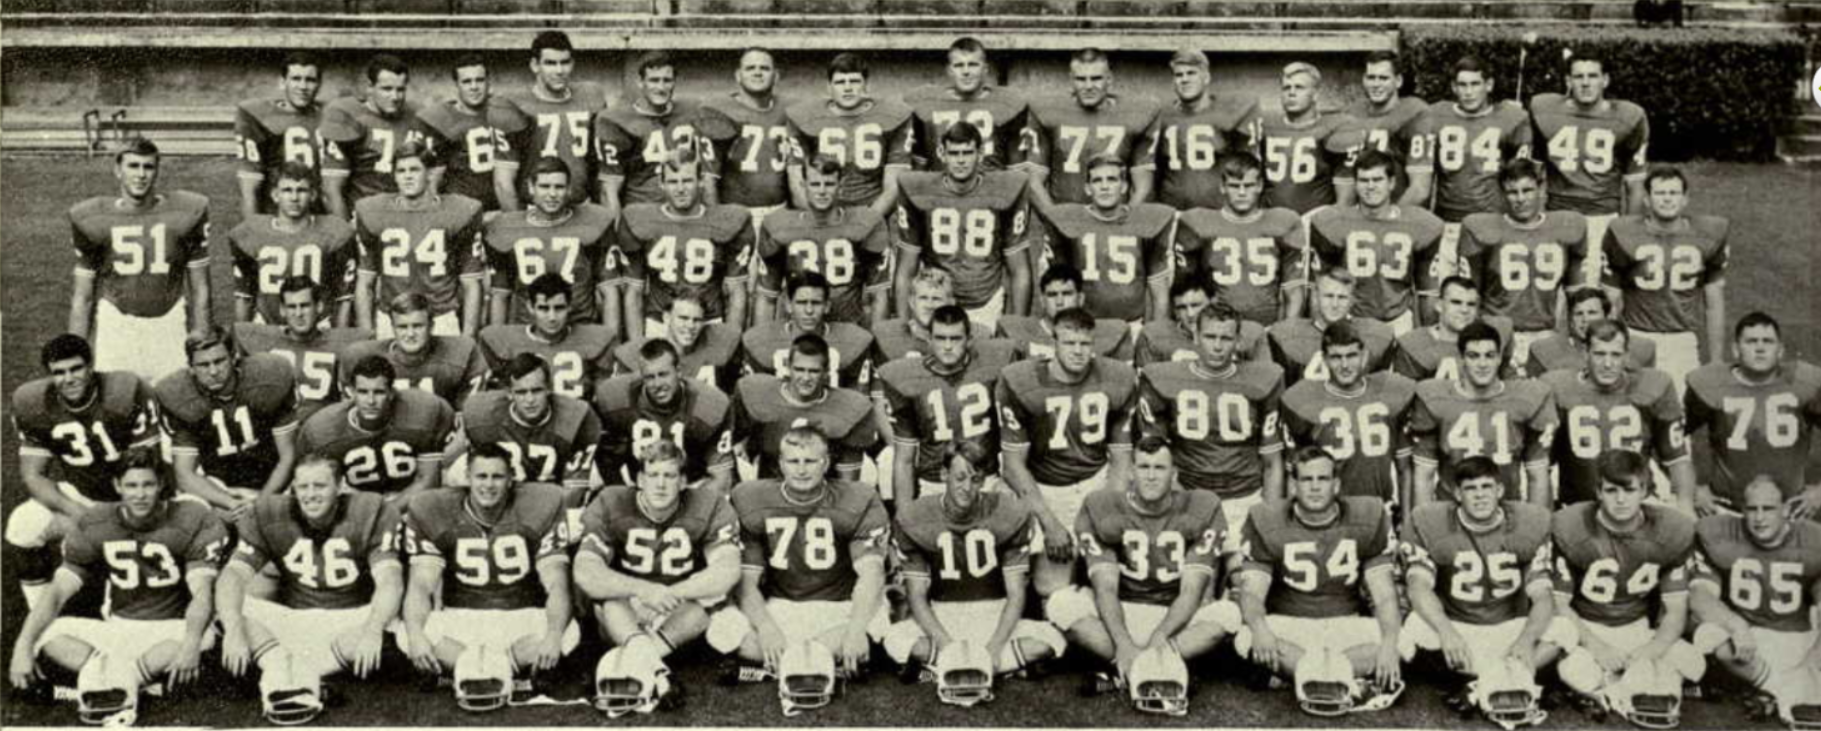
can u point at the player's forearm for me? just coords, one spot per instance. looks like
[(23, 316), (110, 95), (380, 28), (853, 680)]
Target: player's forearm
[(48, 608), (429, 474), (230, 594), (1420, 588), (917, 599), (496, 307), (44, 490), (736, 304), (1253, 588), (905, 274), (1143, 181), (198, 283), (599, 582), (249, 195), (364, 297), (752, 601), (1542, 613), (286, 446), (711, 190), (1682, 480), (195, 484), (713, 582), (1018, 478), (1040, 187), (504, 179), (420, 591), (1539, 492), (1343, 192), (1406, 491), (554, 573), (634, 316), (201, 610), (388, 595), (471, 307), (869, 591), (1292, 304), (1274, 477), (1382, 586), (1017, 284), (1417, 193), (793, 176), (904, 485), (1671, 622), (1105, 586), (1182, 609), (333, 196), (1715, 295), (1119, 469), (243, 308), (766, 308), (888, 192), (1635, 196), (1424, 483), (82, 306), (1157, 304), (1016, 584), (879, 305)]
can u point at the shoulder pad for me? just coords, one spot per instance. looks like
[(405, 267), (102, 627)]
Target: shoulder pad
[(610, 394), (1153, 218)]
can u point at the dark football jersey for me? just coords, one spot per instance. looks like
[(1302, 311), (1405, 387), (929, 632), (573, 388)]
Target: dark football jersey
[(1616, 578), (1470, 150), (1364, 432), (561, 129), (1479, 576), (1296, 346), (1398, 132), (1557, 351), (384, 461), (633, 144), (1301, 160), (807, 550), (1061, 137), (1252, 259), (583, 356), (1032, 337), (851, 251), (1066, 429), (232, 434), (616, 528), (1431, 352), (85, 442), (1522, 268), (964, 559), (899, 337), (316, 360), (142, 256), (670, 255), (931, 409), (763, 413), (866, 140), (1388, 257), (1643, 415), (698, 421), (1763, 429), (557, 449), (1220, 425), (767, 350), (146, 565), (264, 256), (489, 566), (320, 568), (714, 359), (450, 366), (519, 251), (1589, 152), (970, 231), (1151, 552), (474, 145), (1318, 572), (1661, 270), (358, 144), (269, 133), (997, 111), (1515, 426), (753, 148), (1167, 341), (1118, 257), (1769, 587), (1186, 143), (431, 249)]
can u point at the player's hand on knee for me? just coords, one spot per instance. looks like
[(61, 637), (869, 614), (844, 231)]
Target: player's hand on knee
[(1454, 648), (547, 651), (1266, 652), (771, 642), (367, 645), (1523, 652), (1387, 667), (1705, 504), (187, 664), (235, 655), (422, 653), (23, 670), (1609, 657), (1123, 657), (854, 647)]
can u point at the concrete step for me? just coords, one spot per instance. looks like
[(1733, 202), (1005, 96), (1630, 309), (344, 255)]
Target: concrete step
[(1805, 124), (1805, 145)]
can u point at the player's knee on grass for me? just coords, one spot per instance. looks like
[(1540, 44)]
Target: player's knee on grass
[(728, 631), (1049, 577), (1581, 672)]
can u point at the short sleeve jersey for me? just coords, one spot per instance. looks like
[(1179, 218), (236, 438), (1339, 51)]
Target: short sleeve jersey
[(1515, 426), (699, 421), (146, 564), (714, 357), (970, 230), (1186, 143), (562, 129), (753, 147), (1615, 578), (1301, 160), (1522, 268), (1364, 432), (261, 406), (1470, 150), (142, 255), (1643, 415), (327, 567), (1480, 576), (931, 409), (1661, 270), (1755, 429), (558, 448), (1589, 153), (432, 249), (964, 559), (264, 256), (86, 442), (1556, 351), (1168, 340), (1032, 337), (764, 413), (576, 248), (806, 551), (1220, 425), (633, 143), (1397, 131), (1771, 587), (1388, 257), (1317, 572), (1151, 552), (315, 359), (899, 338), (670, 255), (851, 250), (489, 566), (1117, 257), (387, 460), (475, 145), (1296, 345), (1061, 136), (997, 111), (616, 528), (1066, 429), (865, 140), (358, 144), (450, 366), (583, 355), (1252, 259), (767, 350), (269, 133), (1433, 352)]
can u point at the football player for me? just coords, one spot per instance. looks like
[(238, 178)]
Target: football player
[(1761, 414), (1617, 558), (850, 347), (768, 407), (562, 116), (1255, 256), (973, 224), (388, 440), (1525, 258), (577, 353), (1429, 352), (632, 142), (1482, 414), (361, 136), (271, 132), (268, 250), (1296, 343), (871, 137), (1478, 576), (1219, 416), (1358, 417), (1174, 338), (1558, 350), (710, 351), (966, 558), (657, 557), (683, 245), (1065, 426), (1193, 135), (1386, 121), (142, 263), (1305, 156), (1474, 138), (556, 236), (74, 425), (1299, 592), (418, 241), (1153, 551), (907, 336), (1058, 290), (232, 421), (848, 246), (488, 587), (942, 399), (312, 350), (159, 557), (1670, 272), (1115, 244), (450, 366), (812, 564), (340, 584), (1061, 135), (968, 96), (1595, 150), (751, 137), (1604, 406), (658, 400), (550, 437), (477, 124), (1388, 247)]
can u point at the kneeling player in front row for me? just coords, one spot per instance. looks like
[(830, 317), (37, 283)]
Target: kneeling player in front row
[(654, 562), (477, 549), (1152, 551)]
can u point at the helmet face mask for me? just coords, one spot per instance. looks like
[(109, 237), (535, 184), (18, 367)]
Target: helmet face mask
[(483, 679), (107, 692), (1647, 694), (1507, 694), (1325, 683), (964, 675), (630, 679), (806, 678), (285, 698), (1159, 682)]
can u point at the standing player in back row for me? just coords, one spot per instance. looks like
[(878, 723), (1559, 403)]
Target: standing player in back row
[(1193, 135), (633, 141), (969, 96), (561, 115), (871, 137), (361, 138), (1391, 123), (1116, 245), (1594, 148), (271, 132), (1254, 255), (1474, 138), (1389, 247), (972, 223), (751, 137), (416, 241), (1062, 135), (1670, 272), (1304, 153), (478, 124)]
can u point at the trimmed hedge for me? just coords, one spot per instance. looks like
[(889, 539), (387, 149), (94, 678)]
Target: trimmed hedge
[(1710, 93)]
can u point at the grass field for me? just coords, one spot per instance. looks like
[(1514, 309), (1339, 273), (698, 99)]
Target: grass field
[(1774, 265)]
